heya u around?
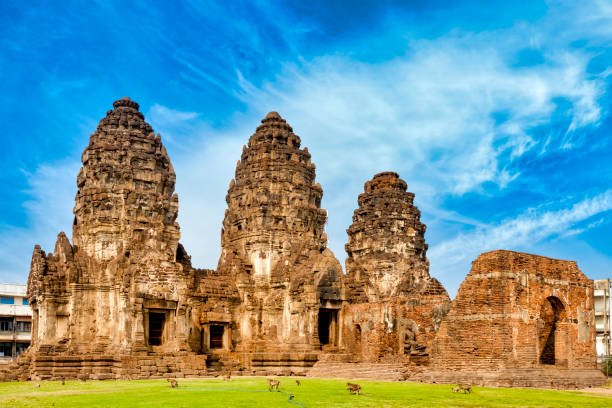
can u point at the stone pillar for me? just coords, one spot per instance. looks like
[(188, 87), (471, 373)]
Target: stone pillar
[(34, 329), (227, 336), (140, 343), (48, 323)]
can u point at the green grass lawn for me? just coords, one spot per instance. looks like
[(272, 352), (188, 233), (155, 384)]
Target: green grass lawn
[(253, 392)]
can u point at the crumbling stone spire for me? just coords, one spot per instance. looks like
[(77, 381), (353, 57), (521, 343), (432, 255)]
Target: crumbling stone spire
[(125, 189), (274, 205), (386, 246), (90, 296)]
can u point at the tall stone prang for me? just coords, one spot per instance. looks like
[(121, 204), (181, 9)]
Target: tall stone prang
[(395, 306), (386, 245), (274, 206), (125, 198), (273, 242), (118, 288)]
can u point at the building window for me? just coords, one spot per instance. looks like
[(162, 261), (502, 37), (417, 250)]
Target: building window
[(24, 326), (6, 324), (21, 347), (6, 349), (24, 302), (7, 300), (216, 336)]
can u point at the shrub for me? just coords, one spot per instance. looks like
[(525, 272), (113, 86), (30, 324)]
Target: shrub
[(606, 366)]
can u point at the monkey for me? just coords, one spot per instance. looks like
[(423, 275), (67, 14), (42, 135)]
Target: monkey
[(273, 384), (298, 383), (226, 375), (467, 389), (353, 388), (173, 382)]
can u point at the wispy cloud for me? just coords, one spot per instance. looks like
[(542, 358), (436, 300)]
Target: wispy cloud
[(429, 115), (432, 115), (458, 115), (51, 189), (520, 232), (165, 116), (439, 102)]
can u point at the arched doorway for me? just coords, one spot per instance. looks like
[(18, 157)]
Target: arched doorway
[(552, 336)]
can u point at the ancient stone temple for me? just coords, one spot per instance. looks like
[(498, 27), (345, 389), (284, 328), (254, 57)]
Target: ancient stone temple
[(121, 299), (394, 307), (519, 320)]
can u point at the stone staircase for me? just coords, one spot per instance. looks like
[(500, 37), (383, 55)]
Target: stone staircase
[(361, 371), (538, 377), (58, 367)]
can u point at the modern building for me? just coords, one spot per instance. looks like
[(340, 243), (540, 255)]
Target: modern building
[(603, 321), (15, 321)]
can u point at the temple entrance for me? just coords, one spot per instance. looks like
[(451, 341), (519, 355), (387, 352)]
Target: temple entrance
[(216, 336), (328, 327), (553, 349), (156, 328)]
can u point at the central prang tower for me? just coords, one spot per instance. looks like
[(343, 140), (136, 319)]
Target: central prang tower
[(274, 244), (274, 217)]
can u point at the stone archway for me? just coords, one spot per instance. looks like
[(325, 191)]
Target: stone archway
[(552, 332)]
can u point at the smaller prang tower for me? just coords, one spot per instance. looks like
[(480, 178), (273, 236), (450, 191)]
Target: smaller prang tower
[(393, 300), (386, 246)]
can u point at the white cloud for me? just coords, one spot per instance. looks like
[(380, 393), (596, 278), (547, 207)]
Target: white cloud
[(165, 116), (429, 115), (52, 188), (521, 232)]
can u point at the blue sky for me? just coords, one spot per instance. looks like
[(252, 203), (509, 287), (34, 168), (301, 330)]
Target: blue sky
[(497, 116)]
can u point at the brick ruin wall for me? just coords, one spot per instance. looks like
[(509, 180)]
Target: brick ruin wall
[(510, 299), (124, 301), (519, 320)]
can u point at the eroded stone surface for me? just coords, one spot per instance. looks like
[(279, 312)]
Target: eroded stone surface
[(94, 298), (386, 248)]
